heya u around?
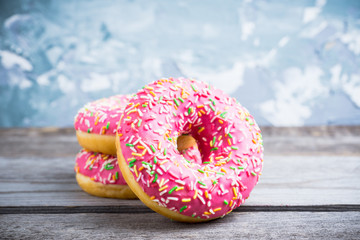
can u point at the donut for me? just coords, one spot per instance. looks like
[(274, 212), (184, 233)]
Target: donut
[(99, 175), (228, 139), (96, 124)]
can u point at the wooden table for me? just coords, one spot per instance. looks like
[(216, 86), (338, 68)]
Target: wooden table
[(310, 189)]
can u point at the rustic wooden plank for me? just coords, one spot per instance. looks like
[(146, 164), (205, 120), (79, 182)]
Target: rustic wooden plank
[(40, 179), (241, 225), (302, 180), (292, 180), (67, 199), (318, 140), (38, 142), (60, 142), (286, 180), (38, 170)]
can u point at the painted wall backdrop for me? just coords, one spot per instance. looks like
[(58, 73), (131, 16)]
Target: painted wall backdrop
[(291, 63)]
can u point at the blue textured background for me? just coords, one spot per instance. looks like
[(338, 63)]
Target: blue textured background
[(291, 63)]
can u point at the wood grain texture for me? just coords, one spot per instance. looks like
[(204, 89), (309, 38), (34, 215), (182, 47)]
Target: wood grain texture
[(38, 142), (286, 180), (309, 189), (246, 225)]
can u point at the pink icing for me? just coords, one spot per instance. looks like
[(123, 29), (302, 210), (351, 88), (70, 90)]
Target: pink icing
[(99, 167), (228, 138), (192, 154), (101, 116)]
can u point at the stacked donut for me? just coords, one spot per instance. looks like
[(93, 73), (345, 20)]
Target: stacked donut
[(187, 150), (96, 167)]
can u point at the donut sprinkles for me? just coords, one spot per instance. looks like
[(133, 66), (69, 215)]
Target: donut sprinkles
[(99, 167), (191, 154), (101, 116), (228, 139)]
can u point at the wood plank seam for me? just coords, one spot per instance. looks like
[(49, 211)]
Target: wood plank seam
[(137, 210)]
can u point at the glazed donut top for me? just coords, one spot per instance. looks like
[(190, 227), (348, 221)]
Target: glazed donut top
[(99, 167), (228, 139), (101, 116)]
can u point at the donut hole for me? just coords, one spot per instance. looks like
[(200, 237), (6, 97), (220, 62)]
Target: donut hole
[(185, 141), (187, 146)]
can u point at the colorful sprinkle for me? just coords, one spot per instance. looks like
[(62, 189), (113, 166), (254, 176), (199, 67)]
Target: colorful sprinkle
[(200, 182), (201, 129), (183, 208), (193, 88), (213, 141), (156, 177), (108, 166), (176, 102), (173, 189)]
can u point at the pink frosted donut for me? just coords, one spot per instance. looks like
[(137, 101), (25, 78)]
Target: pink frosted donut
[(96, 123), (99, 175), (229, 141)]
